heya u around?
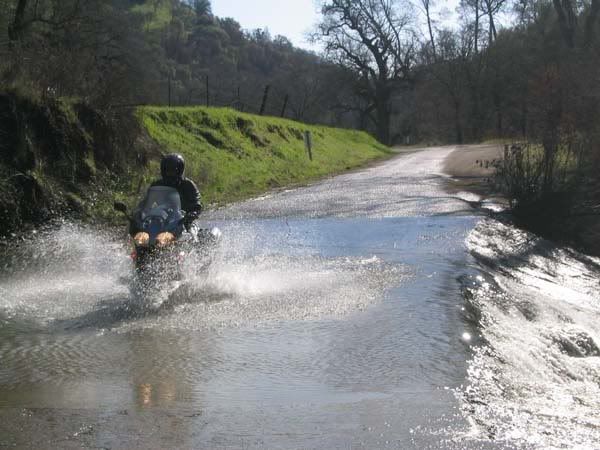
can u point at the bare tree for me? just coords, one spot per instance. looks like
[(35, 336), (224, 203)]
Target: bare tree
[(492, 7), (14, 29), (480, 10), (475, 6), (569, 12), (427, 4), (567, 20), (374, 39), (590, 22)]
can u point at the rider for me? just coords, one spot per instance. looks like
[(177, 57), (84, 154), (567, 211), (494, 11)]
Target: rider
[(172, 167)]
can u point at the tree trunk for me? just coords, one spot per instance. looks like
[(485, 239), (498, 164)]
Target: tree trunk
[(16, 27), (383, 124), (524, 118), (431, 38), (549, 152), (476, 26), (499, 123), (457, 123), (492, 26), (382, 106), (497, 99), (590, 22), (567, 20)]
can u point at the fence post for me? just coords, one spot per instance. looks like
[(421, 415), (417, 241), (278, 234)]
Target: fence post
[(169, 88), (308, 143), (207, 92), (285, 102), (264, 100)]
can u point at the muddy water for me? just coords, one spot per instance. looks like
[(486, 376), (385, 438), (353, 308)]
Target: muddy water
[(365, 311)]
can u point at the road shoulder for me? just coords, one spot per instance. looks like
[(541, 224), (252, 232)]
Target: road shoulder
[(470, 168)]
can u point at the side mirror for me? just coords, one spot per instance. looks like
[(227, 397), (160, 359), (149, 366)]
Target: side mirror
[(121, 207)]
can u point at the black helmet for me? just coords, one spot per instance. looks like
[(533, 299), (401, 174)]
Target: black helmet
[(172, 167)]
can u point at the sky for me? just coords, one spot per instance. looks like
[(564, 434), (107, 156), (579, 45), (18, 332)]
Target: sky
[(292, 18)]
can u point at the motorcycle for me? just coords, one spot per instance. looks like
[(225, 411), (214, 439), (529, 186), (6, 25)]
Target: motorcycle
[(160, 243)]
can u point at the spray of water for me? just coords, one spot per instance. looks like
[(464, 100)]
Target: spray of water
[(62, 272), (536, 380), (76, 276), (253, 277)]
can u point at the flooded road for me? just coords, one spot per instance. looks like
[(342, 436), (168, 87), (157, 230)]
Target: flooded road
[(370, 310)]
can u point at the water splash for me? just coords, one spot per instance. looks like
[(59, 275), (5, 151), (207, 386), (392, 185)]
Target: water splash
[(536, 380), (256, 276), (76, 276), (62, 272)]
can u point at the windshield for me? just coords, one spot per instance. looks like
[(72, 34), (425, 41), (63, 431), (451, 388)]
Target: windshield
[(162, 197)]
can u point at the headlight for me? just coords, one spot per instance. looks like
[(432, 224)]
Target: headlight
[(141, 239), (164, 239)]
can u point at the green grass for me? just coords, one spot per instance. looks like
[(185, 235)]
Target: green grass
[(233, 155)]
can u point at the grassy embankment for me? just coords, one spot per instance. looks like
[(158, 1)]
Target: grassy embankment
[(232, 155), (60, 157)]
